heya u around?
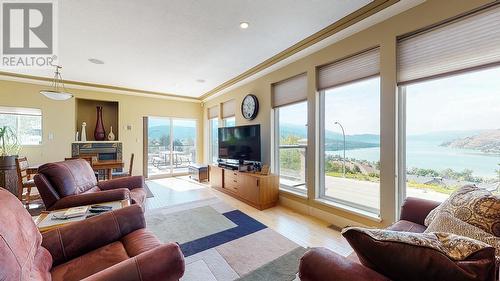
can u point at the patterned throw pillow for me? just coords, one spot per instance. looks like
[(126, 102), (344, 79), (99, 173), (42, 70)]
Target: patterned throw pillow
[(473, 205), (422, 256), (444, 222)]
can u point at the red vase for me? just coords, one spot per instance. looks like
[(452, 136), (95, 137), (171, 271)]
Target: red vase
[(99, 132)]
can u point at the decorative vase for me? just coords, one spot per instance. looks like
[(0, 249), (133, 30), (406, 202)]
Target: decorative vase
[(99, 132), (83, 137), (111, 136)]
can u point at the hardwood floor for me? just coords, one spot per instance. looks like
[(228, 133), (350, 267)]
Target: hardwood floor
[(303, 230)]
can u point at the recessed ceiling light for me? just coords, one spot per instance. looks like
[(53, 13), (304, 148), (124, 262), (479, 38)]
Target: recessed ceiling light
[(96, 61), (200, 80), (244, 25)]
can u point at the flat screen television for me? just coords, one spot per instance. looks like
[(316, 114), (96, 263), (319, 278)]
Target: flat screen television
[(240, 143)]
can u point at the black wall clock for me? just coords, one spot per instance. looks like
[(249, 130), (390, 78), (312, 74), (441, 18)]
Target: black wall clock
[(250, 107)]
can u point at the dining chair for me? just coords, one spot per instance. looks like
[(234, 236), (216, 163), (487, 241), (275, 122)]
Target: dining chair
[(125, 173), (25, 182)]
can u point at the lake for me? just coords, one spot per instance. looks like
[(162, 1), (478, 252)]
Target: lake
[(428, 154)]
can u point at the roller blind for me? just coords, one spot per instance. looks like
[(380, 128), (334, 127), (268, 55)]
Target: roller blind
[(213, 112), (363, 65), (228, 108), (464, 44), (290, 90), (20, 111)]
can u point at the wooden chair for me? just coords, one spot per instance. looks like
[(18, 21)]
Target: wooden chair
[(89, 159), (125, 173), (25, 182)]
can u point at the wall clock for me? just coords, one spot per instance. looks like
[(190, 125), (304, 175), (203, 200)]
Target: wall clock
[(250, 107)]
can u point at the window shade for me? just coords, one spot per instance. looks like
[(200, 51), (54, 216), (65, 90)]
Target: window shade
[(463, 44), (363, 65), (228, 108), (290, 91), (213, 112), (20, 111)]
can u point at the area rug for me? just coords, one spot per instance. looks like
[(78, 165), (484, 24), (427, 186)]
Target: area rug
[(221, 243)]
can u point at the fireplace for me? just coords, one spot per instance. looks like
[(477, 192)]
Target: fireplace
[(101, 150)]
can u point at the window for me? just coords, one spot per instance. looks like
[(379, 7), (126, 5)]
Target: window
[(452, 134), (289, 101), (25, 122), (349, 92), (171, 145), (449, 97), (214, 139), (291, 122), (351, 145), (229, 121)]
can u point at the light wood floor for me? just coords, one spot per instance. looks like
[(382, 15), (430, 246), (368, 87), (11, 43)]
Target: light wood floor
[(303, 230)]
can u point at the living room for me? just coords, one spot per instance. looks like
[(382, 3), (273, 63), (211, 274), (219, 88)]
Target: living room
[(263, 140)]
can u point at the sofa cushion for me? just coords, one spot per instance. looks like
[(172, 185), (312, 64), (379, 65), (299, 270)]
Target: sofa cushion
[(140, 241), (444, 222), (473, 205), (422, 256), (407, 226), (90, 263), (69, 177)]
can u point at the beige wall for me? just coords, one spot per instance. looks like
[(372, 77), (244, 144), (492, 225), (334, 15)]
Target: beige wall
[(59, 119), (384, 35)]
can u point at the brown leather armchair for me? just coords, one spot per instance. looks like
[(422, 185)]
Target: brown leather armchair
[(72, 183), (320, 264), (111, 246)]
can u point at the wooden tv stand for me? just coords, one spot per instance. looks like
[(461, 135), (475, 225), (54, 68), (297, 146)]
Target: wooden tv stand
[(259, 191)]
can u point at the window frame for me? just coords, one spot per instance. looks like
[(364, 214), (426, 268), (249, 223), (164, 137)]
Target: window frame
[(276, 147), (321, 191), (211, 151), (225, 120), (26, 114)]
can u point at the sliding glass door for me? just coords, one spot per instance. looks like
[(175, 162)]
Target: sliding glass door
[(171, 145)]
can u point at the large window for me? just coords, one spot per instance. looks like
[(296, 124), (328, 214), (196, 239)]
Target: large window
[(214, 139), (171, 145), (25, 122), (351, 144), (453, 134), (448, 77), (291, 131)]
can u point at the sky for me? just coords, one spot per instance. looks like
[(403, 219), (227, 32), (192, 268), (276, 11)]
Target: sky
[(468, 101)]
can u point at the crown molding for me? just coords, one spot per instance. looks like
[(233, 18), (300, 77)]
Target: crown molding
[(8, 76)]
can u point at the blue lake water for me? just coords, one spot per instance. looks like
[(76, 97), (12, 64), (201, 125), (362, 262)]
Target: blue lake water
[(425, 154)]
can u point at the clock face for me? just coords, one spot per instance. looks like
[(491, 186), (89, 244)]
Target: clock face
[(250, 107)]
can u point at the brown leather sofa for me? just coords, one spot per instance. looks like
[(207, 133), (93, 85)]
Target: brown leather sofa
[(320, 264), (72, 183), (109, 247)]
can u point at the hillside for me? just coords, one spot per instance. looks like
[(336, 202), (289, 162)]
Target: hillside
[(486, 141)]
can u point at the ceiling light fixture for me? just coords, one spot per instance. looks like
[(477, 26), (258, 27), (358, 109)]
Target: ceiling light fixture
[(200, 80), (96, 61), (59, 91), (244, 25)]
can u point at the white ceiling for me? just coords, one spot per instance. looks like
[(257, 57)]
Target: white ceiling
[(165, 46)]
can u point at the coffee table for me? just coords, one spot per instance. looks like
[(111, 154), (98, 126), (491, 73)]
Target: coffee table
[(45, 223)]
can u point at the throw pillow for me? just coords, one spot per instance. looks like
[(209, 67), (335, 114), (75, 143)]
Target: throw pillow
[(473, 205), (444, 222), (422, 256)]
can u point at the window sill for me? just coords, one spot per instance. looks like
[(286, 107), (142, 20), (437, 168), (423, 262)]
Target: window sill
[(349, 209), (293, 192)]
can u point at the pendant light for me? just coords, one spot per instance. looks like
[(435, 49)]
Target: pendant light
[(58, 91)]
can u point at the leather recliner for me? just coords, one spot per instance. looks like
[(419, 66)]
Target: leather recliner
[(72, 183), (109, 247)]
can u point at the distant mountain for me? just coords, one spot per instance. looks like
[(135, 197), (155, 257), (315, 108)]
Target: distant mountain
[(333, 140), (486, 141), (157, 132), (444, 136)]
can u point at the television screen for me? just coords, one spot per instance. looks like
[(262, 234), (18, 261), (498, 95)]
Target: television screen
[(240, 143)]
